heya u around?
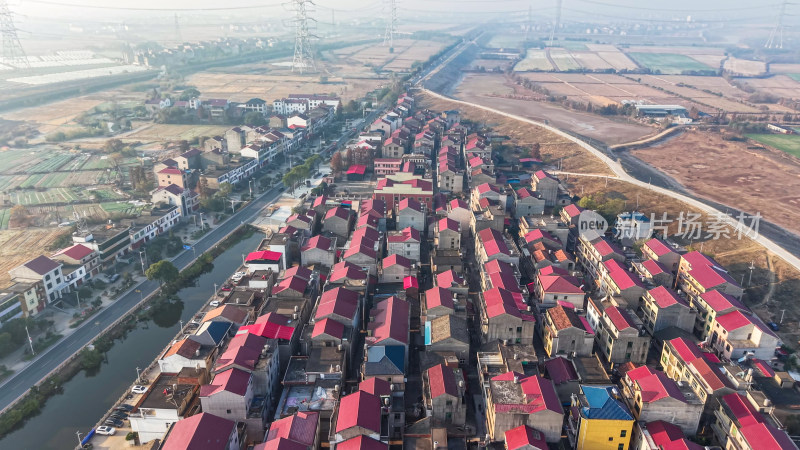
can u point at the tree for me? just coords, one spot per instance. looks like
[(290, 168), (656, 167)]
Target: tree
[(163, 271), (113, 146), (189, 93), (225, 189), (336, 163), (254, 119), (587, 202)]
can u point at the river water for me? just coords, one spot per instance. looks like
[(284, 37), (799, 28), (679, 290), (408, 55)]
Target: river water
[(86, 397)]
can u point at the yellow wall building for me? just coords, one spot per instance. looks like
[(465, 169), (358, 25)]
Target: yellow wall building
[(599, 419)]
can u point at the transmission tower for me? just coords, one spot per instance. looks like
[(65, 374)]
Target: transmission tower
[(778, 30), (391, 27), (178, 37), (303, 53), (557, 22), (13, 53), (529, 26)]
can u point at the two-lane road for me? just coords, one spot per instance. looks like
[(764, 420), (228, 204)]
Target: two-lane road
[(44, 363)]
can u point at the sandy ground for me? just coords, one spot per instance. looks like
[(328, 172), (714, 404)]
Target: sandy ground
[(488, 89), (553, 148), (728, 172), (20, 246)]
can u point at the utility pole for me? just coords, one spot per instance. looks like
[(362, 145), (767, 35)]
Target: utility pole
[(12, 51), (141, 259), (783, 312), (391, 26), (529, 26), (750, 277), (556, 23), (778, 30), (303, 53)]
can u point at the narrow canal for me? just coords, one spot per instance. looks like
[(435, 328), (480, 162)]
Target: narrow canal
[(87, 397)]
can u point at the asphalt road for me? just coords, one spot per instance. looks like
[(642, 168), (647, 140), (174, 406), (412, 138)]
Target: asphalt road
[(19, 383)]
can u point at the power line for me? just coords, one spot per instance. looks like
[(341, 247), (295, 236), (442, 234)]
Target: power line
[(12, 51), (690, 10), (556, 23), (778, 30), (136, 8)]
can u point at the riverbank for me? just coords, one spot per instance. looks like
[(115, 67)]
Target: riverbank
[(90, 359)]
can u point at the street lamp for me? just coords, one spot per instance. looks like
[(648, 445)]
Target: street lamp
[(138, 376), (215, 288), (250, 184), (141, 259), (78, 296)]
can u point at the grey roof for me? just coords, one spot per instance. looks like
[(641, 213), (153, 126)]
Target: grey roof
[(385, 360)]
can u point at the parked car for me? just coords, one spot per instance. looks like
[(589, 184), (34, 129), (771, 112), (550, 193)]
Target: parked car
[(214, 303), (113, 278), (119, 415), (226, 288), (124, 407), (138, 389), (105, 430), (114, 422), (773, 326)]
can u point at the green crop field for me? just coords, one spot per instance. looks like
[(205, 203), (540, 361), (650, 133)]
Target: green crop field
[(789, 143), (505, 41), (668, 63), (50, 164), (5, 216), (121, 207), (534, 60), (39, 197)]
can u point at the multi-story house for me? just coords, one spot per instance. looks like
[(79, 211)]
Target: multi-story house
[(683, 361), (81, 263), (460, 211), (619, 333), (616, 281), (527, 203), (599, 420), (659, 250), (230, 395), (652, 395), (154, 223), (410, 213), (501, 318), (738, 425), (546, 186), (319, 250), (337, 221), (395, 268), (741, 333), (593, 250), (443, 389), (513, 399), (566, 333), (664, 308), (405, 242), (45, 271), (553, 289), (447, 234), (492, 245), (698, 273), (205, 431)]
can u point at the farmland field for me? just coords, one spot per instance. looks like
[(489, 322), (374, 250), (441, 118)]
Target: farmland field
[(534, 60), (505, 41), (5, 214), (122, 207), (17, 246), (789, 143), (166, 132), (668, 63), (563, 60)]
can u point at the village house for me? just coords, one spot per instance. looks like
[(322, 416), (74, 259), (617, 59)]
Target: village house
[(410, 213), (651, 395), (664, 308), (551, 289), (527, 203), (658, 250), (459, 211), (619, 334), (513, 399), (698, 273), (683, 361), (492, 245), (187, 201), (45, 271), (395, 268), (599, 419), (501, 318), (546, 186), (319, 250), (739, 425), (447, 234), (444, 396), (405, 242), (337, 221), (566, 333), (204, 430), (616, 281), (448, 334)]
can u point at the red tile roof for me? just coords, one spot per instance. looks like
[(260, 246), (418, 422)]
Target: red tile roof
[(654, 267), (360, 409), (763, 435), (734, 320), (621, 277), (280, 443), (265, 255), (231, 313), (362, 443), (442, 380), (170, 171), (561, 370), (556, 284), (296, 284), (500, 301), (359, 248), (448, 279), (347, 270), (526, 437), (203, 431), (663, 433), (493, 242), (686, 349), (328, 327), (409, 203), (619, 317), (458, 203), (357, 169), (564, 318), (665, 297), (659, 247), (763, 367), (654, 385), (707, 272), (539, 394), (342, 213), (185, 347), (505, 280), (42, 265), (498, 266), (395, 259), (742, 410), (319, 242), (721, 302), (376, 386), (438, 296), (541, 175), (448, 224), (573, 210), (407, 234), (390, 319), (271, 326), (339, 301), (232, 380), (77, 251), (297, 271)]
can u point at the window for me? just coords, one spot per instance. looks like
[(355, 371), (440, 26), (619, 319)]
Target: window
[(611, 438), (621, 447), (623, 433), (228, 411)]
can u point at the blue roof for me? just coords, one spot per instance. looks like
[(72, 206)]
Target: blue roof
[(394, 354), (603, 405), (217, 330), (427, 332)]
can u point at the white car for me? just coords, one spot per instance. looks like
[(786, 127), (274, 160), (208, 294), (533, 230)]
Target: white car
[(214, 303), (139, 389), (105, 430)]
